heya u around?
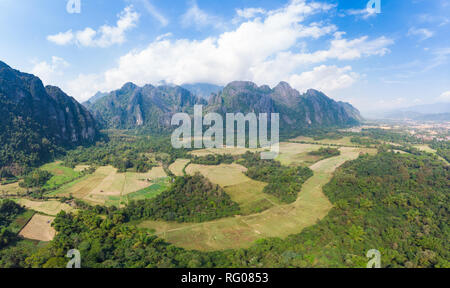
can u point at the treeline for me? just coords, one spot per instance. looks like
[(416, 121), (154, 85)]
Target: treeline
[(283, 182), (9, 210), (189, 199), (390, 136), (126, 152), (442, 149), (213, 159), (395, 203)]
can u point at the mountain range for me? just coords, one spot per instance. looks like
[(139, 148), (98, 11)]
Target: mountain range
[(152, 107), (36, 121), (427, 112)]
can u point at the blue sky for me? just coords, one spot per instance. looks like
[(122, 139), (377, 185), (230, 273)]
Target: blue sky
[(399, 57)]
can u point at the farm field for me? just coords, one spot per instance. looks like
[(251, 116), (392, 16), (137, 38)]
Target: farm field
[(231, 151), (297, 153), (247, 192), (61, 175), (52, 207), (344, 141), (177, 167), (107, 186), (39, 228), (278, 221)]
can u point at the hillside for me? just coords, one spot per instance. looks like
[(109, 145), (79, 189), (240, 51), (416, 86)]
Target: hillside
[(297, 111), (152, 107), (142, 107), (36, 120)]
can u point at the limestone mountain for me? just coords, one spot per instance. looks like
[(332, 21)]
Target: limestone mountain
[(35, 120), (147, 107), (312, 109)]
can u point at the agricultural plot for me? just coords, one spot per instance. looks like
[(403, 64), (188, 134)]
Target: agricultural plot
[(12, 190), (297, 153), (232, 151), (39, 228), (107, 186), (344, 141), (61, 175), (177, 167), (46, 207), (277, 221)]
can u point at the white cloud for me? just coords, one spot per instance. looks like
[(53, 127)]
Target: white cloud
[(104, 37), (49, 73), (249, 13), (62, 38), (324, 78), (262, 49), (363, 13), (155, 13), (445, 97), (195, 17), (422, 33)]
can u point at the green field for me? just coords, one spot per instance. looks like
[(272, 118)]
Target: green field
[(277, 221), (61, 175), (108, 187)]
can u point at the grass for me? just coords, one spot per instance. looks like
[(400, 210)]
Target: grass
[(277, 221), (223, 175), (177, 167), (108, 187), (150, 192), (46, 207), (61, 175)]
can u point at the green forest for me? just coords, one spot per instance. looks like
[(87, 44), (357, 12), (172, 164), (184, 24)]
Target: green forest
[(395, 203)]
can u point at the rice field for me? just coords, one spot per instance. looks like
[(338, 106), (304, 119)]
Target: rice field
[(277, 221)]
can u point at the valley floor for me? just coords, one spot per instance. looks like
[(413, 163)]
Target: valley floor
[(278, 221)]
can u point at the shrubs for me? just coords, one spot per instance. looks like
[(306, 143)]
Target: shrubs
[(326, 152), (36, 179), (284, 182), (213, 159), (190, 199)]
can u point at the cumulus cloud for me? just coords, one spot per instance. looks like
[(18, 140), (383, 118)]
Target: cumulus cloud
[(261, 49), (324, 78), (50, 72), (104, 37), (422, 33), (249, 13)]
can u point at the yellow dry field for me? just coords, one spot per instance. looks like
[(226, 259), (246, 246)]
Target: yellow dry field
[(107, 182), (46, 207), (247, 192), (278, 221), (12, 189), (297, 153), (39, 228), (223, 175), (232, 151), (80, 168), (345, 141), (178, 166)]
